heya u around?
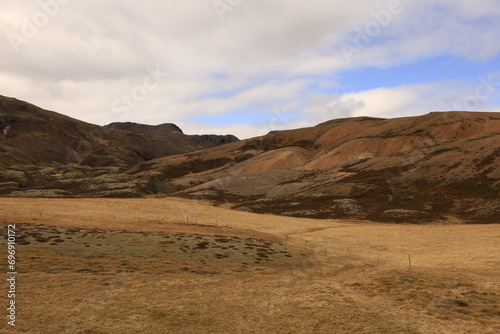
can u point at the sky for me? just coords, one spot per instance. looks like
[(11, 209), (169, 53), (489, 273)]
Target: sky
[(247, 67)]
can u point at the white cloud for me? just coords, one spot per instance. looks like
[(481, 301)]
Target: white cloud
[(270, 53), (405, 100)]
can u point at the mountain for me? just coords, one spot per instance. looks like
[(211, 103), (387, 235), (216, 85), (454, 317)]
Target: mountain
[(41, 150), (438, 166), (32, 136), (170, 131)]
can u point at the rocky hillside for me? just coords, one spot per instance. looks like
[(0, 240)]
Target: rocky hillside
[(436, 166), (32, 136), (170, 131), (440, 166), (43, 153)]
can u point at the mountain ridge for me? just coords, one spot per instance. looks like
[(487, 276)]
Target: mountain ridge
[(32, 135), (172, 131), (436, 167), (47, 154), (420, 168)]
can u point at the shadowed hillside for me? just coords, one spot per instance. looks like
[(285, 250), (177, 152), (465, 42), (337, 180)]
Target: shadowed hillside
[(33, 136), (170, 131), (46, 154)]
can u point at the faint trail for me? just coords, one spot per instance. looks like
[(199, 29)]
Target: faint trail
[(314, 229)]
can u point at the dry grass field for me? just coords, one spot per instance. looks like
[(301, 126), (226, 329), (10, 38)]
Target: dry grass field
[(178, 266)]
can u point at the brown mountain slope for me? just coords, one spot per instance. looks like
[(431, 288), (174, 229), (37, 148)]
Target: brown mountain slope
[(170, 131), (406, 169), (32, 136), (43, 153), (436, 166)]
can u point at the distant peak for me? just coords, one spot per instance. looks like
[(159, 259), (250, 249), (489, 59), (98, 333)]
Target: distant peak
[(351, 119), (141, 128)]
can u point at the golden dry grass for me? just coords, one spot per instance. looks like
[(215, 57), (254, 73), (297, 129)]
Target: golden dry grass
[(356, 278)]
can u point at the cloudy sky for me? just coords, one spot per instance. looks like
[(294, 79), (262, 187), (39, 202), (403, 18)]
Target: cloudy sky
[(250, 66)]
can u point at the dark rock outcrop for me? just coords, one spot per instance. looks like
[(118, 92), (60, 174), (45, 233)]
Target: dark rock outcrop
[(172, 131)]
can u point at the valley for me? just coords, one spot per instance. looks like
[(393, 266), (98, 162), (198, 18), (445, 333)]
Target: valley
[(178, 265)]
